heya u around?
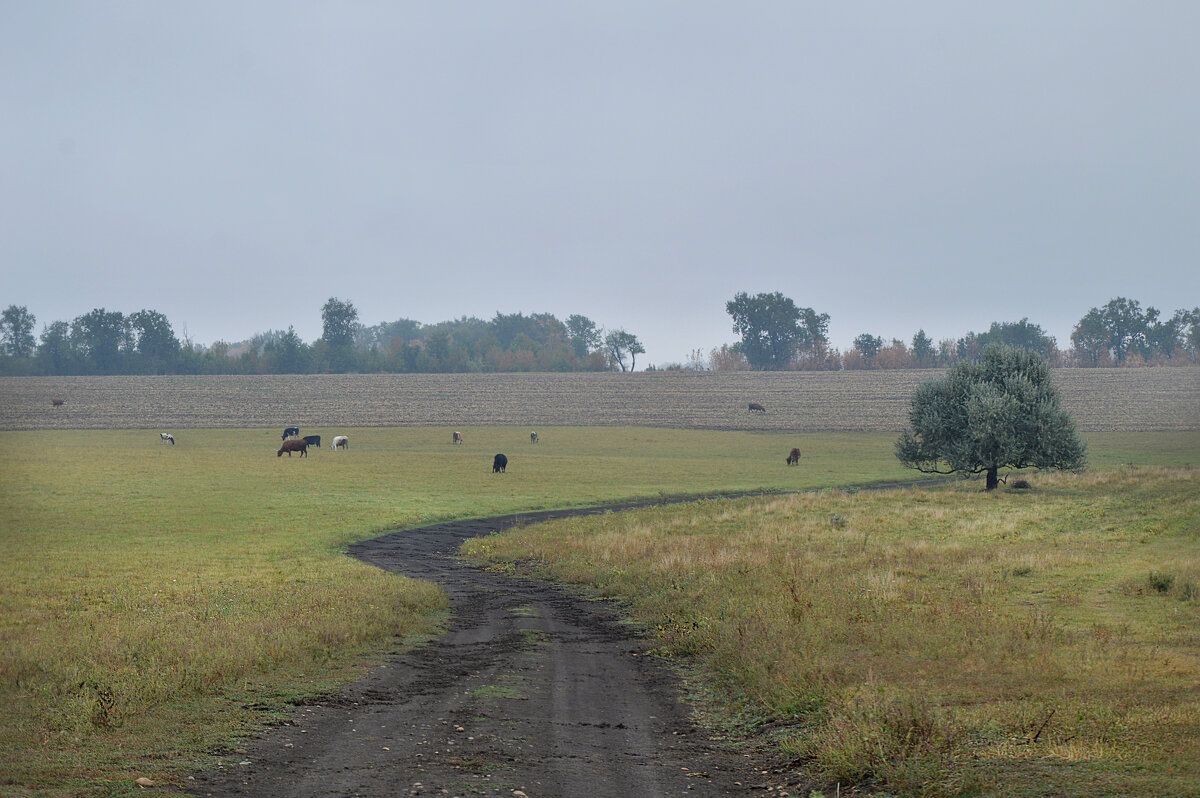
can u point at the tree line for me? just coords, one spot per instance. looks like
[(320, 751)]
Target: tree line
[(111, 342), (775, 334)]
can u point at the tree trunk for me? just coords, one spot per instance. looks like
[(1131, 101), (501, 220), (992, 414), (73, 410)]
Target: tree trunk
[(993, 481)]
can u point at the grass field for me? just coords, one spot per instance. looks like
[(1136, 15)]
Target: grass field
[(938, 641), (158, 601)]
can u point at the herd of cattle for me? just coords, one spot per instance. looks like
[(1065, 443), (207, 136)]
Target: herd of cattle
[(292, 442)]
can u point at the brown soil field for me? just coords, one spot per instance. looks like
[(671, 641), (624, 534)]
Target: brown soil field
[(1099, 399)]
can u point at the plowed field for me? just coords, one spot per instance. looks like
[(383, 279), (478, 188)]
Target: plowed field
[(1100, 400)]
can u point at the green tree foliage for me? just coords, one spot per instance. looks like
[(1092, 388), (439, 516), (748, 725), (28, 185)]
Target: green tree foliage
[(56, 355), (774, 330), (16, 332), (288, 354), (924, 354), (998, 412), (585, 337), (868, 346), (100, 338), (622, 345), (154, 342)]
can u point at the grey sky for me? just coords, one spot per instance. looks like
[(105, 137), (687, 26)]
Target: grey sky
[(895, 165)]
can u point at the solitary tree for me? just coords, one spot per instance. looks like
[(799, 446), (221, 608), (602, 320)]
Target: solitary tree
[(621, 344), (583, 334), (998, 412), (340, 325)]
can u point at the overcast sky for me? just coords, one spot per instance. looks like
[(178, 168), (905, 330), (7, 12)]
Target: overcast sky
[(895, 165)]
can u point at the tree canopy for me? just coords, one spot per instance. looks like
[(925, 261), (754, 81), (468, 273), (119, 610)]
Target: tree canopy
[(773, 329), (998, 412)]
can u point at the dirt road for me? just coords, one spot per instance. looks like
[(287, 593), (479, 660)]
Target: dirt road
[(532, 689)]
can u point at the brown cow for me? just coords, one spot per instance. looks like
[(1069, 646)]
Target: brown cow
[(755, 407), (295, 445), (457, 438), (793, 457), (56, 402)]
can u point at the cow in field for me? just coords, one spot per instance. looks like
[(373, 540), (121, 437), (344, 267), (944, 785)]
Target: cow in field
[(456, 438), (56, 402), (755, 407), (166, 437), (499, 464), (793, 457), (299, 445), (340, 442), (291, 432), (313, 440), (533, 437)]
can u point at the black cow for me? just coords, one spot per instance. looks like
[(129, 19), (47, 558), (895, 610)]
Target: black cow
[(291, 432), (499, 464), (755, 407), (313, 440), (793, 457)]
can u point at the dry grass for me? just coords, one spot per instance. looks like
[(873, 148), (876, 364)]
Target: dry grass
[(1103, 400), (930, 642)]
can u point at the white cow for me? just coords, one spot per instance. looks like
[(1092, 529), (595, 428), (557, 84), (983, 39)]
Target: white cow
[(340, 442), (165, 437)]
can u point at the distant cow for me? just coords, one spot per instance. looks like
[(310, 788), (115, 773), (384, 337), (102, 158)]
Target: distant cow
[(166, 437), (291, 432), (755, 407), (313, 440), (499, 464), (533, 437), (457, 438), (299, 445), (793, 457), (56, 402), (340, 442)]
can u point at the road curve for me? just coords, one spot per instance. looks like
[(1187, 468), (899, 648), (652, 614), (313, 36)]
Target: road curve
[(531, 689)]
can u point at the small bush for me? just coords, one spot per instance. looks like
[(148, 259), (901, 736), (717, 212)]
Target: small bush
[(1160, 581)]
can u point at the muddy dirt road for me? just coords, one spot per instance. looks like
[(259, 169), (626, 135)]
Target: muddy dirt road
[(532, 689)]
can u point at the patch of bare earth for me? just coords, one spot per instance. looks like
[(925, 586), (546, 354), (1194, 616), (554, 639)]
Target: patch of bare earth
[(532, 689)]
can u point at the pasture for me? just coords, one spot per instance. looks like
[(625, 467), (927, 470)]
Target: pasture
[(158, 601), (938, 641)]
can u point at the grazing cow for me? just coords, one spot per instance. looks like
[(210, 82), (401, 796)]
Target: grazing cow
[(300, 445), (457, 438), (313, 440), (793, 457), (340, 442), (755, 407), (166, 437), (533, 437), (291, 432), (56, 402), (499, 464)]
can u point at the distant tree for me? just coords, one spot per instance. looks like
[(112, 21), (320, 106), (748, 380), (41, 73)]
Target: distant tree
[(621, 345), (868, 346), (16, 332), (1167, 339), (727, 358), (1090, 338), (289, 354), (154, 341), (923, 354), (340, 325), (584, 335), (1190, 321), (999, 412), (383, 335), (56, 354), (99, 338), (773, 329), (1124, 324)]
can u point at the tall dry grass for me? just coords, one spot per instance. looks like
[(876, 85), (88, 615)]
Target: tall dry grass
[(929, 641)]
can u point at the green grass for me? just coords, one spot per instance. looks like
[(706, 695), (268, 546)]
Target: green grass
[(157, 602), (940, 641)]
